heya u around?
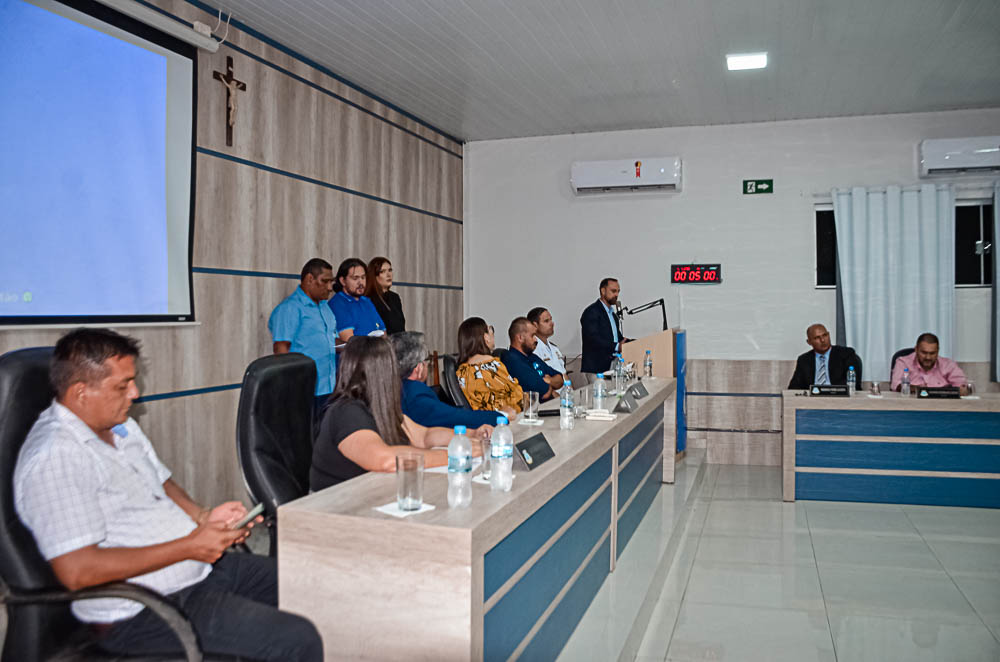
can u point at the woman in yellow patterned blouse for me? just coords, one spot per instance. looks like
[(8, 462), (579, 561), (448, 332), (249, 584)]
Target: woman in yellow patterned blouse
[(483, 377)]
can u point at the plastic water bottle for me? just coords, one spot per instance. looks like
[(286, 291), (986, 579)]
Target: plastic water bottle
[(905, 383), (459, 470), (599, 391), (566, 406), (619, 374), (647, 364), (852, 380), (502, 456)]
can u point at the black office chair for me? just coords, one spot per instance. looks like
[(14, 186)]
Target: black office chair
[(274, 431), (898, 355), (449, 379), (40, 625)]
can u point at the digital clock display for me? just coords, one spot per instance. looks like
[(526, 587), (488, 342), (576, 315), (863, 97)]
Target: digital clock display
[(696, 273)]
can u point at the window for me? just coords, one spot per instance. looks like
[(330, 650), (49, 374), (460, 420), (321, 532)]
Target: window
[(826, 248), (973, 234), (974, 252)]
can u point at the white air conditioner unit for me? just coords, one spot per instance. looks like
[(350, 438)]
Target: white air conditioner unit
[(956, 156), (659, 173)]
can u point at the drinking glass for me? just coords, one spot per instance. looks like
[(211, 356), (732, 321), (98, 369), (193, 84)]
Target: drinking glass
[(409, 481), (529, 405), (487, 458)]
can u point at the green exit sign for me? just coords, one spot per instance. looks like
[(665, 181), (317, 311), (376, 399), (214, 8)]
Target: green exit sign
[(756, 186)]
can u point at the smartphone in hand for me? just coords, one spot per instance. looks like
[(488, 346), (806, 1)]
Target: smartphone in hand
[(249, 517)]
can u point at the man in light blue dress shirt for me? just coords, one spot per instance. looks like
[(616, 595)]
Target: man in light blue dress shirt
[(304, 323)]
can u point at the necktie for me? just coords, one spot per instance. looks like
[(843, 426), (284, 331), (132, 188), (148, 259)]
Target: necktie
[(821, 377)]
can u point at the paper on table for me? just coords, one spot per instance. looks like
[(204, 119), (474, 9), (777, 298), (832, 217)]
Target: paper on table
[(478, 478), (393, 509), (476, 461), (534, 422)]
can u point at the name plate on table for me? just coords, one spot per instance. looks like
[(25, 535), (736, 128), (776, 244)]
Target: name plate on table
[(937, 391), (638, 391), (534, 452), (626, 403), (837, 390)]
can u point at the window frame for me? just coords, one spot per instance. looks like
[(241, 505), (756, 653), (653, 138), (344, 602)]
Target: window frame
[(977, 202)]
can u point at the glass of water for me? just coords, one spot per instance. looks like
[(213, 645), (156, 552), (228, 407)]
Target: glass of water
[(409, 481)]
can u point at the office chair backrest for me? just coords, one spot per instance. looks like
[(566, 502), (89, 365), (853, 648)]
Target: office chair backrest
[(274, 427), (25, 391), (898, 355), (450, 382)]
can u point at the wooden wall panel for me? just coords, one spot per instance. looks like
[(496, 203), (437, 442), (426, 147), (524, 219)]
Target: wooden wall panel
[(734, 412), (760, 448), (250, 218)]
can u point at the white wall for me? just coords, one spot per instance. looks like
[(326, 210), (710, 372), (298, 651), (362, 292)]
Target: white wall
[(529, 241)]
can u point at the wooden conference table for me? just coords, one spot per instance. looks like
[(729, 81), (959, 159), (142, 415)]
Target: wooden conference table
[(892, 449), (508, 577)]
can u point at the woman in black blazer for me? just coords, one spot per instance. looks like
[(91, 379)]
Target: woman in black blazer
[(387, 303)]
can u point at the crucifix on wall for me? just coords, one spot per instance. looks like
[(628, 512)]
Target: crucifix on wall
[(232, 86)]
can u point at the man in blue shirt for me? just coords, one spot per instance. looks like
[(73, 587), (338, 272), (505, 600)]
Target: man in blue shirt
[(420, 403), (355, 313), (531, 372), (304, 323)]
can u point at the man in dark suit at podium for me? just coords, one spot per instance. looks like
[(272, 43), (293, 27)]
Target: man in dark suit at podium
[(826, 363), (601, 329)]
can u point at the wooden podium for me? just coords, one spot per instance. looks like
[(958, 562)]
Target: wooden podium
[(661, 345)]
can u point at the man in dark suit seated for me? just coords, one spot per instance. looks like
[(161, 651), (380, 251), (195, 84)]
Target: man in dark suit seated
[(601, 329), (420, 402), (826, 363)]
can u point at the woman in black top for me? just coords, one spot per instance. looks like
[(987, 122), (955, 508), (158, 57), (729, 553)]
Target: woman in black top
[(364, 427), (387, 303)]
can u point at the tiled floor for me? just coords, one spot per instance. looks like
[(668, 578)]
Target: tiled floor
[(759, 579)]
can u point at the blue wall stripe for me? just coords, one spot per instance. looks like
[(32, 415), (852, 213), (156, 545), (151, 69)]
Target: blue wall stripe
[(628, 521), (508, 555), (318, 182), (895, 423), (275, 274), (315, 65), (510, 619), (630, 477), (631, 440), (978, 458), (928, 491), (183, 394), (735, 395), (552, 636)]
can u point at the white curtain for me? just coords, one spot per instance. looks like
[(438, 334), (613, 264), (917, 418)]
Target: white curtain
[(896, 259)]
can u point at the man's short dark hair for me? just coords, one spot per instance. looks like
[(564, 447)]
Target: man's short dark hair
[(410, 350), (80, 355), (606, 281), (344, 269), (315, 266), (517, 326), (928, 338), (535, 314)]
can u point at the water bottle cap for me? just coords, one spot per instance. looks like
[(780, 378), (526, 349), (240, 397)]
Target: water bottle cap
[(569, 382), (501, 420), (647, 351), (459, 429), (850, 367), (906, 369), (600, 375)]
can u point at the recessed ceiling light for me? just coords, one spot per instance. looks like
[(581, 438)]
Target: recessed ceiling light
[(740, 61)]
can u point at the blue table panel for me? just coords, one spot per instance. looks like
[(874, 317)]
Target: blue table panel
[(630, 477), (930, 491), (934, 424), (897, 455), (628, 521), (638, 433)]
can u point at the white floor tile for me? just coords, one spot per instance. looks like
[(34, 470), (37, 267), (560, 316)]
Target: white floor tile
[(871, 518), (742, 491), (977, 523), (967, 557), (757, 518), (791, 586), (790, 548), (852, 550), (861, 637), (750, 634), (984, 594)]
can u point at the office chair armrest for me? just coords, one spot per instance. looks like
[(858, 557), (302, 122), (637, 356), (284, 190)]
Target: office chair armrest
[(155, 602)]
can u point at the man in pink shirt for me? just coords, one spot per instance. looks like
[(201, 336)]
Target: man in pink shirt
[(927, 368)]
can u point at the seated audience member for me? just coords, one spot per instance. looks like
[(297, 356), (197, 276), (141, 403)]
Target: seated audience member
[(304, 323), (386, 302), (546, 349), (530, 371), (355, 313), (420, 402), (103, 508), (483, 377), (364, 428), (826, 363), (927, 368)]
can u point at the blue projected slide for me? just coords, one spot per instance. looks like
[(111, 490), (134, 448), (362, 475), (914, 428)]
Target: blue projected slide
[(83, 181)]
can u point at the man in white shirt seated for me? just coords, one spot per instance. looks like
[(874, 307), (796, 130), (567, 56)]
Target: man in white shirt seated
[(102, 508), (546, 349)]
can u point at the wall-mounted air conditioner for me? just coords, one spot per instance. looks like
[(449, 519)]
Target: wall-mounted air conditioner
[(958, 156), (627, 175)]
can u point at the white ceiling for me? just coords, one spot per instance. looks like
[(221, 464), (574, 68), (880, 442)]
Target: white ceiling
[(481, 69)]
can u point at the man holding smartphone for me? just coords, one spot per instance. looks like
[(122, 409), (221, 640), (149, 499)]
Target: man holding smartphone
[(102, 508)]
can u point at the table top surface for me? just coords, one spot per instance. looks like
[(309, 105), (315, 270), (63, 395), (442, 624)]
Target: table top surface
[(891, 401)]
